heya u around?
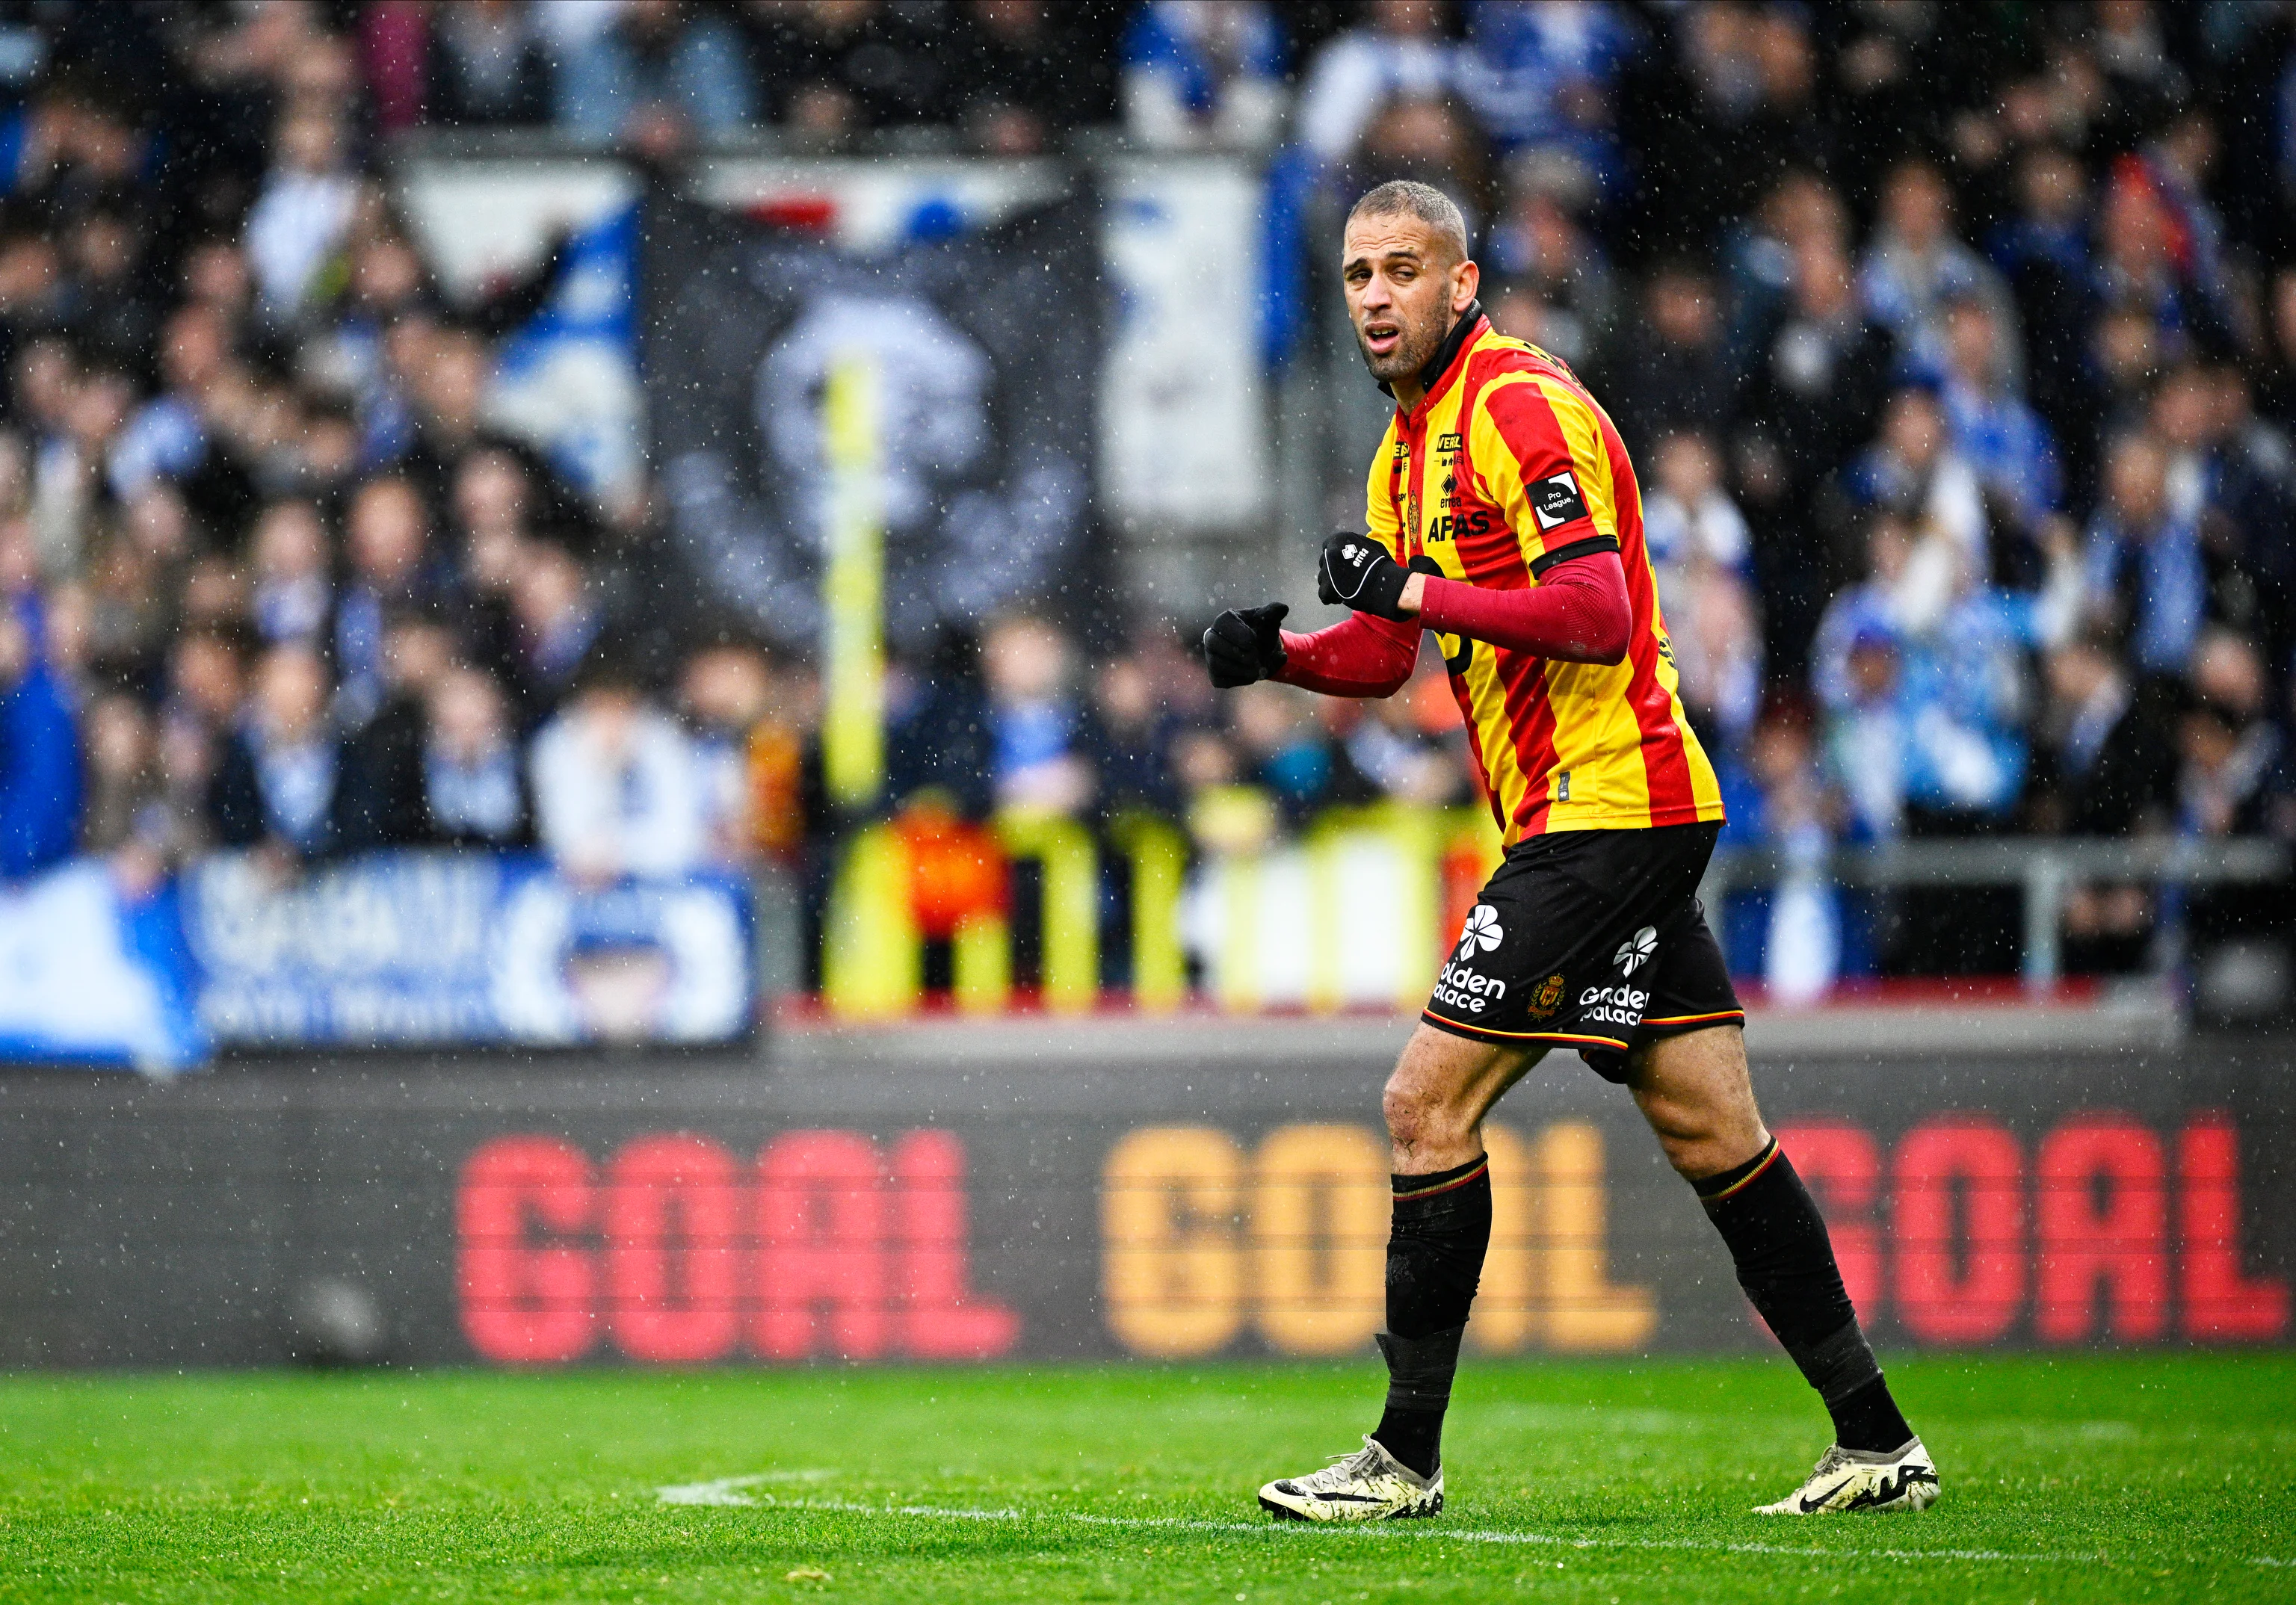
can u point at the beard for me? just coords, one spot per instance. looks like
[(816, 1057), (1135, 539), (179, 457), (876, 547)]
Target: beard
[(1414, 347)]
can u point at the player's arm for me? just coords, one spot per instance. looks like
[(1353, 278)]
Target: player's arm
[(1577, 611), (1358, 657), (1542, 456)]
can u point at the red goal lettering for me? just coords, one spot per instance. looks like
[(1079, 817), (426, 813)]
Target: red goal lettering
[(671, 1263), (525, 1303), (2221, 1305), (820, 1245), (1960, 1230), (941, 1318), (2101, 1197)]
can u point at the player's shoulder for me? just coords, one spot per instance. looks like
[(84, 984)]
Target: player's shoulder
[(1520, 386)]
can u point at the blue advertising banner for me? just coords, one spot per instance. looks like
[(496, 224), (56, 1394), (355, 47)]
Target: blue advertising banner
[(400, 949), (92, 976)]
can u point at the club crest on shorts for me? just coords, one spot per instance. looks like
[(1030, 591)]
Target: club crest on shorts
[(1548, 998), (1483, 930), (1635, 951)]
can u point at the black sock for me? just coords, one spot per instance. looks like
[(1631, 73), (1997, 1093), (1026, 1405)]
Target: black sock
[(1785, 1263), (1434, 1260)]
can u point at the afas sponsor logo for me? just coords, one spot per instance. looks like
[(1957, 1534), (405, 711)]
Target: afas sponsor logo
[(1463, 988), (1449, 526)]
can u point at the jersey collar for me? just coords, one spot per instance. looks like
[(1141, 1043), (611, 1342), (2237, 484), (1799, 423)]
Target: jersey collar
[(1447, 354)]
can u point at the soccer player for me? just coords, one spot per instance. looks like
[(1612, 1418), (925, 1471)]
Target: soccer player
[(1504, 516)]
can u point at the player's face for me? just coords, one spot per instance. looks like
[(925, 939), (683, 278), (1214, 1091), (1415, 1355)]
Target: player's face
[(1403, 294)]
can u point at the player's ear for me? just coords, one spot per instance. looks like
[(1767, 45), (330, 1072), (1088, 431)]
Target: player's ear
[(1466, 281)]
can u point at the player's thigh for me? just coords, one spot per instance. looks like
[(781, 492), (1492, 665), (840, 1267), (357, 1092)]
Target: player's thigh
[(1442, 1088), (1694, 1091)]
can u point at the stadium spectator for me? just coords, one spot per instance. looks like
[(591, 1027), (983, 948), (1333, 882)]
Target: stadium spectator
[(1035, 724), (473, 786), (1912, 471), (1916, 267), (618, 788), (2003, 439), (1813, 399), (166, 436), (1701, 551), (1130, 736), (2109, 740), (484, 65), (1198, 74), (835, 68), (1285, 749), (387, 541), (2146, 579), (1542, 245), (1386, 751), (1796, 816), (123, 772), (1397, 50), (39, 758), (2043, 252), (1672, 371), (1542, 74), (1857, 677), (383, 785), (1019, 84), (726, 693), (2227, 744), (277, 782), (1743, 91), (557, 624), (305, 211), (645, 63), (292, 596)]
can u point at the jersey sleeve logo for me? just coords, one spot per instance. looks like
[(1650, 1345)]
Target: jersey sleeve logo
[(1555, 501)]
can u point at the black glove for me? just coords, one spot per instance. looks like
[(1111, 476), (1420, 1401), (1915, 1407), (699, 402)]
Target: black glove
[(1242, 647), (1356, 570)]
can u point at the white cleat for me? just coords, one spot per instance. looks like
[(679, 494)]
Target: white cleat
[(1371, 1485), (1853, 1480)]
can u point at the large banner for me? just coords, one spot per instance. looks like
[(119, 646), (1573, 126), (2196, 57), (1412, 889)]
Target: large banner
[(421, 948), (391, 950), (1205, 1191), (985, 345)]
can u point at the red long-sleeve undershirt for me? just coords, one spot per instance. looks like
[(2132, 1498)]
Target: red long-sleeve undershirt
[(1577, 613)]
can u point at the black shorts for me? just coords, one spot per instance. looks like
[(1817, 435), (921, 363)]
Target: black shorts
[(1592, 939)]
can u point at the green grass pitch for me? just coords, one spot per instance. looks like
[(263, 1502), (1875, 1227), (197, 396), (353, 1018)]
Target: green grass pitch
[(2079, 1477)]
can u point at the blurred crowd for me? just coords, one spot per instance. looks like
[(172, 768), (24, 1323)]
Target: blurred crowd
[(1956, 344)]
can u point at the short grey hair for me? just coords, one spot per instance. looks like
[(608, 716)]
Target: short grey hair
[(1407, 197)]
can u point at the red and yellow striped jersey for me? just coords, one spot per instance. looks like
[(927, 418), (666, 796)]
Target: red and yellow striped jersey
[(1506, 468)]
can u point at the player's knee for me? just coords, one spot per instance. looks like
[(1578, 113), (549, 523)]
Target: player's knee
[(1700, 1139), (1405, 1109), (1420, 1117)]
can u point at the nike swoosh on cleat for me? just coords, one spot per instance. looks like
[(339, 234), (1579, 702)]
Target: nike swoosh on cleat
[(1809, 1504), (1354, 1498), (1907, 1479)]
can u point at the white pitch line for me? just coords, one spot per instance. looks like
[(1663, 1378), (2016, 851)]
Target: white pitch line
[(728, 1490), (725, 1491)]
